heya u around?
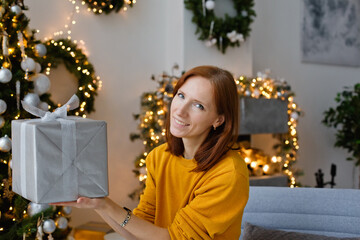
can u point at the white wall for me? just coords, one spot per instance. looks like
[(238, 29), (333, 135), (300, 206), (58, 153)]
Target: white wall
[(276, 45), (126, 49)]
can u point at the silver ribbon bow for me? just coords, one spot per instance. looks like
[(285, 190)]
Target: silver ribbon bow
[(60, 112)]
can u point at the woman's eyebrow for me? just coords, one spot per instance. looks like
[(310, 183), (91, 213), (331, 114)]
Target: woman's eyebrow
[(194, 99)]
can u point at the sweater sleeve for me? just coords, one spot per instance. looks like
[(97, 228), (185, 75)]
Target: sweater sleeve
[(146, 206), (218, 203)]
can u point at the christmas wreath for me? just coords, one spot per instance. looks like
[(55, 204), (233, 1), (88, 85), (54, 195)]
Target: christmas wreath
[(76, 62), (222, 32), (108, 6)]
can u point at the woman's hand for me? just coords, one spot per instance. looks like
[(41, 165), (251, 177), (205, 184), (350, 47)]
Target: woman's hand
[(84, 202)]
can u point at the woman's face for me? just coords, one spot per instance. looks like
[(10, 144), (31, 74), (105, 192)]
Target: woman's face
[(193, 112)]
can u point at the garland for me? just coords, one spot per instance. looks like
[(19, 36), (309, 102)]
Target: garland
[(108, 6), (222, 32), (287, 147), (76, 62)]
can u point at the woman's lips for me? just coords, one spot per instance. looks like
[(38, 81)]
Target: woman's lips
[(181, 122)]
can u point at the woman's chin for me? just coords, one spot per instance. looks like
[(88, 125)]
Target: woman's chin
[(176, 133)]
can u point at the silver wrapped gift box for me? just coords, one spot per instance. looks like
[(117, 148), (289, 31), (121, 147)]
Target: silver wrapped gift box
[(59, 160)]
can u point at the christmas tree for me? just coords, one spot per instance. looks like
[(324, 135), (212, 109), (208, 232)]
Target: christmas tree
[(22, 58)]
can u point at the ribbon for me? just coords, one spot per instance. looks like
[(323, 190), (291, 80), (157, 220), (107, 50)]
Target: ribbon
[(68, 146), (211, 28), (5, 44), (203, 8), (21, 43), (18, 95), (60, 112), (221, 43)]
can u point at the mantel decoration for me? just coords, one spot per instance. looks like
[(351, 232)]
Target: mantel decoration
[(345, 118), (155, 105), (108, 6), (222, 32)]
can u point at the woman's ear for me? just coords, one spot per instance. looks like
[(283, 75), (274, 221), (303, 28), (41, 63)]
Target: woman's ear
[(220, 120)]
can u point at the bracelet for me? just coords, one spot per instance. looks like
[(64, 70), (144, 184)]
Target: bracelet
[(127, 219)]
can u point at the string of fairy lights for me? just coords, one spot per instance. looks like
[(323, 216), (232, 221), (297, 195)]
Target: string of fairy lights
[(265, 87), (155, 106)]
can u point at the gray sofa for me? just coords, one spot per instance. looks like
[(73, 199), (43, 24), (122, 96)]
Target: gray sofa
[(322, 211)]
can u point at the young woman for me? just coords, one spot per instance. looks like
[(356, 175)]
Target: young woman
[(197, 186)]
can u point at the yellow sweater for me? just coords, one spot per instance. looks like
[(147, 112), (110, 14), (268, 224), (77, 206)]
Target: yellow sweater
[(195, 205)]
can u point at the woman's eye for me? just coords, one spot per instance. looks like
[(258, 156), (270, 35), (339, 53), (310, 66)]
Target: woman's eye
[(199, 106), (180, 95)]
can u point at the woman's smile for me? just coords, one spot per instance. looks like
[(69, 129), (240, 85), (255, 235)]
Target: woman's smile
[(181, 123)]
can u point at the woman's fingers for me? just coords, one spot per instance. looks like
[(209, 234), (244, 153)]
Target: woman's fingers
[(81, 202), (70, 204)]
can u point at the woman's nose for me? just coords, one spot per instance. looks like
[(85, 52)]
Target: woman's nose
[(182, 110)]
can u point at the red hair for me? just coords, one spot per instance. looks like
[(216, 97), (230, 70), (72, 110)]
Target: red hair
[(218, 141)]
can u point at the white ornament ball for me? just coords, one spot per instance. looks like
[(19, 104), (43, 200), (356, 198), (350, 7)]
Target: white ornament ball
[(40, 50), (44, 106), (159, 95), (28, 64), (35, 208), (240, 37), (37, 67), (210, 5), (49, 226), (67, 210), (256, 93), (5, 144), (41, 83), (2, 121), (5, 75), (208, 43), (3, 106), (16, 9), (231, 34), (61, 223), (233, 39), (248, 93), (10, 164), (294, 115), (143, 171), (32, 99)]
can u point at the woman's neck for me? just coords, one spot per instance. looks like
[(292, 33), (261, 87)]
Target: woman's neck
[(190, 147)]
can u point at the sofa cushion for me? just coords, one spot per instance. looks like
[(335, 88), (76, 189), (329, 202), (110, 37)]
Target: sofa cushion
[(253, 232)]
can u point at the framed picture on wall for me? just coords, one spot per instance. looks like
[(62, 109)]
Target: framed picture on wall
[(330, 32)]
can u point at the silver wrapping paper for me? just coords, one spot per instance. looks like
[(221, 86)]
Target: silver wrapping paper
[(54, 161)]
